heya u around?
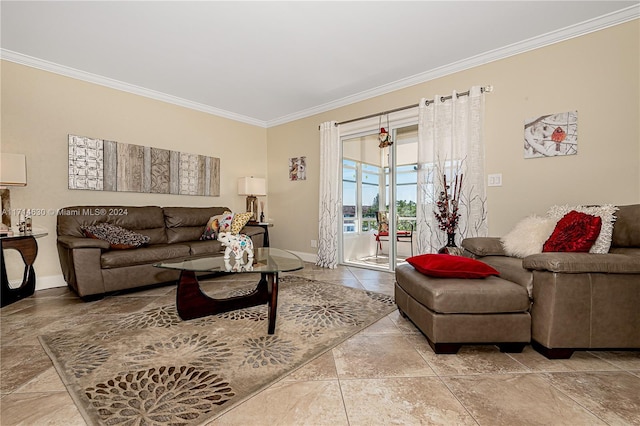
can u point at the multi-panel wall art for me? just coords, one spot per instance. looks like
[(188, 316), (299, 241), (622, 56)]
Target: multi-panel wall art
[(101, 165)]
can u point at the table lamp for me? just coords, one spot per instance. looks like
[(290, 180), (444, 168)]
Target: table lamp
[(13, 172), (252, 188)]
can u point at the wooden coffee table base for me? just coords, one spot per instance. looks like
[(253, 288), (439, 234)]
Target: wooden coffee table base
[(193, 303)]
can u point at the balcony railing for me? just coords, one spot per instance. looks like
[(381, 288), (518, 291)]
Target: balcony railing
[(351, 224)]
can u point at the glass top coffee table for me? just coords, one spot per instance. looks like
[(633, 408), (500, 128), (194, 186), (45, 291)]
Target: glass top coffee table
[(192, 303)]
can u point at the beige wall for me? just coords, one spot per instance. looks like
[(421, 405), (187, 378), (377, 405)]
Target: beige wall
[(597, 74), (39, 110)]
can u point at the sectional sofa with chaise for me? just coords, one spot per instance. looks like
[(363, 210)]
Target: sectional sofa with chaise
[(560, 301)]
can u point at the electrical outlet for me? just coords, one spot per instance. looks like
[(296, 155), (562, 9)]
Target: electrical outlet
[(314, 243), (495, 179)]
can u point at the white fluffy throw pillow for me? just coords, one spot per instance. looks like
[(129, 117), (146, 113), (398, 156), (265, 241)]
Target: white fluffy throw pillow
[(606, 213), (528, 236)]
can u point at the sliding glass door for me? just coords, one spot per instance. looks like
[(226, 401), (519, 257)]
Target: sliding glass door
[(379, 192), (363, 191), (406, 189)]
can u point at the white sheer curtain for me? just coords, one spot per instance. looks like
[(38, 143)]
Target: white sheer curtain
[(330, 202), (450, 141)]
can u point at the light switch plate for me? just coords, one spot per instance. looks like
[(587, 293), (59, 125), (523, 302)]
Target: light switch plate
[(495, 179)]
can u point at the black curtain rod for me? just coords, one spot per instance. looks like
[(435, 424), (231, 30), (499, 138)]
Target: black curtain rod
[(442, 99)]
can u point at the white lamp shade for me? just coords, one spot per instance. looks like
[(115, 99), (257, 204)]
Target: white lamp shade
[(14, 170), (252, 186)]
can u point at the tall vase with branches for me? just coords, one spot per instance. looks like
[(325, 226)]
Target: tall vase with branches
[(447, 205)]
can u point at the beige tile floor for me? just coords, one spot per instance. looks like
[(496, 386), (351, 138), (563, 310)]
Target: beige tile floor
[(387, 374)]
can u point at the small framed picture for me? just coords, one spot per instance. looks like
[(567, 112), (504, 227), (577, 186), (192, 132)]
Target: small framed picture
[(298, 168), (551, 135)]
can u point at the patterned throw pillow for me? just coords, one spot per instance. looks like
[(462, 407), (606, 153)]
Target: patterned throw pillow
[(606, 213), (575, 232), (239, 221), (211, 230), (117, 236), (225, 221)]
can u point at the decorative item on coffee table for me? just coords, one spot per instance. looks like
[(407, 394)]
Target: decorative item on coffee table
[(447, 212)]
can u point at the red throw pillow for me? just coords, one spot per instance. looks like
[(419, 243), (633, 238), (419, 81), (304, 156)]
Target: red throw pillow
[(575, 232), (448, 266)]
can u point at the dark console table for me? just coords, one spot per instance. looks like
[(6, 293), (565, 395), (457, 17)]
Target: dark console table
[(27, 246), (264, 225)]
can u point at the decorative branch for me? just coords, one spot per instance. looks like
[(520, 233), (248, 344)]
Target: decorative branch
[(447, 213)]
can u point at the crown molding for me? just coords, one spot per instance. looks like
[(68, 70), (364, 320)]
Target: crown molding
[(586, 27), (30, 61), (596, 24)]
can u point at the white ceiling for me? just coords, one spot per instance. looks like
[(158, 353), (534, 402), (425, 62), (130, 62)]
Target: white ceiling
[(267, 63)]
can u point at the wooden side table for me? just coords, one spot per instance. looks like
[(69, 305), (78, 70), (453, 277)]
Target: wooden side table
[(27, 246)]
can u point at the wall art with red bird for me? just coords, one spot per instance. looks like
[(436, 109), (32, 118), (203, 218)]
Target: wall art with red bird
[(551, 135)]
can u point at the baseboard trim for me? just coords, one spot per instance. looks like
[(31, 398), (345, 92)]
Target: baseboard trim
[(50, 281), (43, 283), (307, 257)]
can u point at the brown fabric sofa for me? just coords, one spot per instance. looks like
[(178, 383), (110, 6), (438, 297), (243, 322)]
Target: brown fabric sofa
[(579, 300), (91, 268)]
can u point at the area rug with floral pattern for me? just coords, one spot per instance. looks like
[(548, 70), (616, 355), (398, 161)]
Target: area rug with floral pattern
[(152, 368)]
